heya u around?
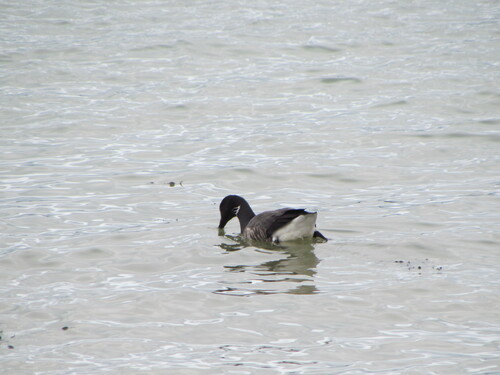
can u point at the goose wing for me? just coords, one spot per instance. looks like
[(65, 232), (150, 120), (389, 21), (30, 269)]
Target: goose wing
[(262, 226)]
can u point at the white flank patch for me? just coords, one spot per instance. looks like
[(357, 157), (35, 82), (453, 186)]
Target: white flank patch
[(302, 226)]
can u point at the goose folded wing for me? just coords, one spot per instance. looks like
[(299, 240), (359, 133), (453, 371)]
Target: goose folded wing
[(281, 218)]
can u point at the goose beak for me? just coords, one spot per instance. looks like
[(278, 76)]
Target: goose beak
[(223, 221)]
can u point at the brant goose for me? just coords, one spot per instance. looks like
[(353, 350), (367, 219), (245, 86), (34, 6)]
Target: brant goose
[(285, 224)]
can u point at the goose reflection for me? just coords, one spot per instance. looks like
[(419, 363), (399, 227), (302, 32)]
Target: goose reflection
[(292, 274)]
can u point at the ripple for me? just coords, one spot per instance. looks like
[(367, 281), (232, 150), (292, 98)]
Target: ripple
[(398, 154), (332, 80), (321, 49)]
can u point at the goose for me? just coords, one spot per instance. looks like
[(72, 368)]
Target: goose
[(285, 224)]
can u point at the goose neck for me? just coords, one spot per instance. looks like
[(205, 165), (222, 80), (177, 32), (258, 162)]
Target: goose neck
[(245, 214)]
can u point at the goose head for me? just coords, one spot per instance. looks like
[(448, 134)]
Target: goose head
[(234, 205)]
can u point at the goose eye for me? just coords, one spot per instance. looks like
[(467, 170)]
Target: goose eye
[(236, 210)]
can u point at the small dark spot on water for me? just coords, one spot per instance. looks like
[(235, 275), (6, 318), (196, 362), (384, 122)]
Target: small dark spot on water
[(65, 328), (421, 264), (10, 347), (173, 183), (169, 183)]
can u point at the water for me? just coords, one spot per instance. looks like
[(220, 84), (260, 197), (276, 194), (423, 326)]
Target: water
[(125, 123)]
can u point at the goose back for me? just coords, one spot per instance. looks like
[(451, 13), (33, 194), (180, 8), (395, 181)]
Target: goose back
[(281, 225)]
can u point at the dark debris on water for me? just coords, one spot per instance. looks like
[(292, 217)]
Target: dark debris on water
[(8, 345), (411, 266), (169, 183)]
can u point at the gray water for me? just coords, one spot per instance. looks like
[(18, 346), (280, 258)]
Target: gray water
[(124, 123)]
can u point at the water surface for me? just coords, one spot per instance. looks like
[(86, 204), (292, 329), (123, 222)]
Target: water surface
[(125, 123)]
